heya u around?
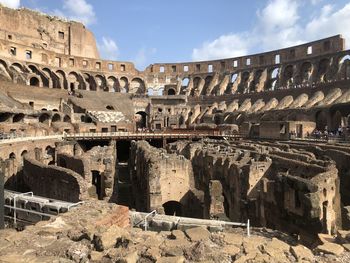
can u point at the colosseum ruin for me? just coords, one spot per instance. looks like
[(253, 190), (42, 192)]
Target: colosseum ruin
[(260, 141)]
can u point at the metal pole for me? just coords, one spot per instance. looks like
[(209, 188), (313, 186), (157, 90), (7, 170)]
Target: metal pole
[(248, 228), (2, 202), (149, 214), (14, 205)]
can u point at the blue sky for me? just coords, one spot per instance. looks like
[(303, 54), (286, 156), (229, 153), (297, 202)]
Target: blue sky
[(150, 31)]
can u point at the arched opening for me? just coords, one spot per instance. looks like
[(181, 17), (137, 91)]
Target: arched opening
[(275, 73), (109, 107), (150, 92), (185, 82), (34, 81), (98, 182), (12, 156), (113, 84), (344, 63), (101, 83), (18, 67), (73, 79), (56, 118), (137, 86), (207, 82), (124, 85), (18, 117), (288, 75), (196, 82), (23, 155), (5, 117), (44, 118), (173, 208), (306, 69), (321, 120), (66, 118), (86, 119), (141, 120), (62, 162), (337, 120), (322, 69), (62, 82), (50, 153), (234, 78), (171, 92)]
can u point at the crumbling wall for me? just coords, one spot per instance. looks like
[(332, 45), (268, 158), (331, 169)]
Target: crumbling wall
[(159, 178), (54, 182)]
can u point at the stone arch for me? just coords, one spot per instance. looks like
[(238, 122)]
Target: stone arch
[(321, 120), (54, 81), (306, 72), (18, 118), (336, 120), (323, 66), (24, 153), (4, 63), (141, 119), (344, 64), (208, 79), (243, 86), (12, 156), (124, 85), (273, 79), (137, 85), (5, 117), (34, 81), (150, 91), (44, 118), (18, 67), (253, 84), (75, 81), (61, 75), (171, 92), (344, 58), (91, 82), (101, 83), (44, 79), (173, 208), (185, 82), (113, 84), (66, 118), (56, 118), (288, 74)]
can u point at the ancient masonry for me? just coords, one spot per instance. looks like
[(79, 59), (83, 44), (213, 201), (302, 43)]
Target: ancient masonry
[(264, 138)]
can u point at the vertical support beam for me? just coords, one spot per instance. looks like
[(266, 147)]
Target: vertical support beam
[(2, 179), (164, 142)]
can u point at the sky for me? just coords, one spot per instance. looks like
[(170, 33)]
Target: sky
[(159, 31)]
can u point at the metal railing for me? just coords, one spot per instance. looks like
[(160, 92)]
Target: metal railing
[(197, 133), (41, 201), (13, 137)]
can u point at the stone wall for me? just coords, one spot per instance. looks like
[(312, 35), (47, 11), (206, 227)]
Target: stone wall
[(54, 182), (159, 178)]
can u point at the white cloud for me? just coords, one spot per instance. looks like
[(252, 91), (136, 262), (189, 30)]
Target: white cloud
[(330, 22), (11, 3), (231, 45), (141, 58), (108, 49), (77, 10), (279, 25)]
